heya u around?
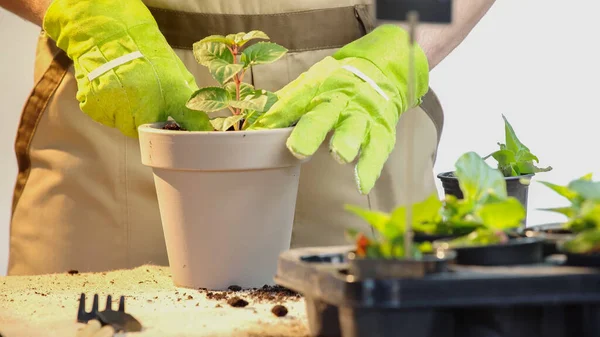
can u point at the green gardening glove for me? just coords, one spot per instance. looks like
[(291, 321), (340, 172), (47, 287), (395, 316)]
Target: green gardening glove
[(359, 94), (127, 74)]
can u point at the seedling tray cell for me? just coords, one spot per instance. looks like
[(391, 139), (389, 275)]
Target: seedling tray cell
[(546, 299)]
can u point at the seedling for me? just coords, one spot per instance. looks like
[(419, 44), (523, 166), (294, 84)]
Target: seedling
[(514, 158), (583, 213), (227, 59), (486, 207), (482, 216)]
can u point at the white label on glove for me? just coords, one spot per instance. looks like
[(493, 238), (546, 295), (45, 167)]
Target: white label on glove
[(366, 79), (113, 64)]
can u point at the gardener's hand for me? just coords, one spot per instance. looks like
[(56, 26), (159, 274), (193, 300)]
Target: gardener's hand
[(359, 93), (127, 74)]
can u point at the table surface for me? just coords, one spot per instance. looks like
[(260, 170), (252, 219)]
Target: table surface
[(46, 305)]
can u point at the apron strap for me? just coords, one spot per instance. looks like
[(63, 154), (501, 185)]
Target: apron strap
[(39, 97)]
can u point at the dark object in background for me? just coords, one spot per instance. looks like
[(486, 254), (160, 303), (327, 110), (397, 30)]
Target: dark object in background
[(433, 11), (119, 320), (519, 251)]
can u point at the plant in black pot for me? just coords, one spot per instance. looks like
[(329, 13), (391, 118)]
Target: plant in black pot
[(516, 163), (383, 255), (491, 214), (578, 237)]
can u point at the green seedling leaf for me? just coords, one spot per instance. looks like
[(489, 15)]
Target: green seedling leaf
[(588, 190), (501, 215), (512, 142), (477, 180), (250, 103), (426, 212), (209, 99), (217, 39), (223, 72), (566, 211), (374, 218), (584, 243), (262, 53), (254, 115), (479, 237), (242, 38), (564, 191), (224, 123)]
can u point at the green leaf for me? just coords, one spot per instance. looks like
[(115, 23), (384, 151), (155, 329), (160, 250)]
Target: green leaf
[(512, 142), (253, 115), (245, 90), (219, 60), (262, 53), (502, 215), (585, 242), (250, 103), (564, 191), (376, 219), (223, 72), (503, 157), (209, 99), (224, 123), (525, 155), (588, 190), (207, 52), (217, 38), (477, 179), (242, 38)]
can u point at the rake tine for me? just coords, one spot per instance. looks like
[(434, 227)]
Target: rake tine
[(108, 303), (122, 304), (81, 312), (95, 304)]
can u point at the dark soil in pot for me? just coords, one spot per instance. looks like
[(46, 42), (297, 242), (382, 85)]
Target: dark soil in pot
[(517, 251), (514, 188), (420, 237)]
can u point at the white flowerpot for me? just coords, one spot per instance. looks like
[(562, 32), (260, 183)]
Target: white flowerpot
[(227, 202)]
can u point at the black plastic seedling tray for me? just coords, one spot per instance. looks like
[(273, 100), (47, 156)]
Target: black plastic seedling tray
[(541, 300)]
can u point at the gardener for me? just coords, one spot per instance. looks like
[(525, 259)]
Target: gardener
[(84, 201)]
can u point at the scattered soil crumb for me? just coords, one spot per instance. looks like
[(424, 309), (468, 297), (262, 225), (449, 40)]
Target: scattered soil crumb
[(274, 293), (234, 288), (190, 297), (155, 297), (38, 293), (218, 306), (112, 281), (179, 300), (202, 289), (237, 302), (198, 304), (73, 272), (216, 296), (149, 301), (279, 310)]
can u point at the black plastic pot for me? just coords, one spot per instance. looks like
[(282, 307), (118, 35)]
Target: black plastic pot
[(423, 237), (551, 234), (383, 269), (518, 251), (514, 188)]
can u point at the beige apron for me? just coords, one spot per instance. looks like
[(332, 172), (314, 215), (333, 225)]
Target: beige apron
[(84, 201)]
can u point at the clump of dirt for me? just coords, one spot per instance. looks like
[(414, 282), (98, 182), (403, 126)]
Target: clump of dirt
[(173, 126), (216, 296), (235, 288), (279, 310), (274, 293), (237, 302), (73, 272)]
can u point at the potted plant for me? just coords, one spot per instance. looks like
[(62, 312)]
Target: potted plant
[(516, 163), (385, 256), (226, 196), (578, 234), (491, 215)]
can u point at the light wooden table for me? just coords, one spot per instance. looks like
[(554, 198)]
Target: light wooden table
[(46, 305)]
